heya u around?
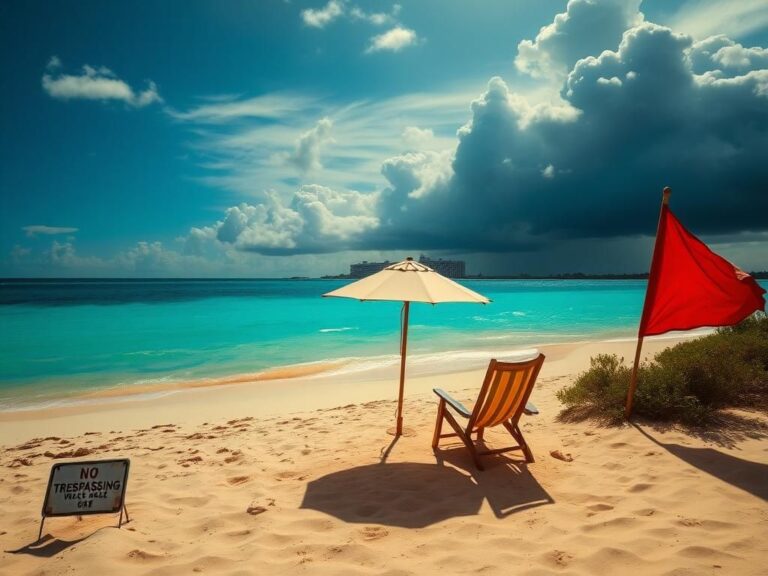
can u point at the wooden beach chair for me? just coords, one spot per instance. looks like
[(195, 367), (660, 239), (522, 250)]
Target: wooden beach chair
[(502, 400)]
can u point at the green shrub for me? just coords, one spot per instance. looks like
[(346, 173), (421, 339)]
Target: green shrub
[(687, 383)]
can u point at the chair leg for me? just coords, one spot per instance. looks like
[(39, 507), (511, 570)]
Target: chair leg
[(518, 435), (480, 434), (438, 424), (466, 438)]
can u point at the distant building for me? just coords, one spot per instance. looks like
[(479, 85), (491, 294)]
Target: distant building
[(449, 268), (365, 268)]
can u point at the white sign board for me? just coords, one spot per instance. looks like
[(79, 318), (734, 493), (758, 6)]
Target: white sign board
[(96, 487)]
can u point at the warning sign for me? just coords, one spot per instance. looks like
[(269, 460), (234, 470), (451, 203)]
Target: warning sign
[(96, 487)]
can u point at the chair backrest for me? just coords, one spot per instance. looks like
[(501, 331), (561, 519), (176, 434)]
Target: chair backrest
[(505, 391)]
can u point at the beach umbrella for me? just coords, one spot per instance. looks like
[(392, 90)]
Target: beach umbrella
[(407, 281)]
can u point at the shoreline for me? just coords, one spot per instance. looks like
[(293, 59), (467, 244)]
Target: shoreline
[(272, 397), (361, 368)]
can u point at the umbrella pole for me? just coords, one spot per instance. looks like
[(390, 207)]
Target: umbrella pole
[(403, 346)]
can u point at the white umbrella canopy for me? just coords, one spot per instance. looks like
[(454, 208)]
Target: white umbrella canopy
[(411, 282), (407, 281)]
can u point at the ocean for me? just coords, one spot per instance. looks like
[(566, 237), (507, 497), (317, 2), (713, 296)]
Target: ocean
[(67, 341)]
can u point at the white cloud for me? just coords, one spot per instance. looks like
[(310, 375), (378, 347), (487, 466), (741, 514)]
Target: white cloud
[(375, 18), (306, 156), (95, 84), (317, 219), (721, 55), (415, 137), (34, 230), (734, 18), (586, 28), (393, 40), (417, 174), (62, 255), (226, 109), (323, 16)]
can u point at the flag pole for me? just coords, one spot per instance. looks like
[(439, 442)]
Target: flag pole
[(649, 293)]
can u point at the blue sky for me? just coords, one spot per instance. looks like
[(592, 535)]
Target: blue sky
[(271, 138)]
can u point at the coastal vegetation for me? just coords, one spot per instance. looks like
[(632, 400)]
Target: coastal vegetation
[(687, 383)]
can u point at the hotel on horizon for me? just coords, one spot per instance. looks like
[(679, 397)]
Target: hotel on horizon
[(449, 268)]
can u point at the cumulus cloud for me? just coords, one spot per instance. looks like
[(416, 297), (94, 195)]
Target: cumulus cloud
[(95, 84), (321, 17), (306, 156), (722, 57), (586, 28), (34, 230), (393, 40), (316, 219), (415, 137), (635, 119)]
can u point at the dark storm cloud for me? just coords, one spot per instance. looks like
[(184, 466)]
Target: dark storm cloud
[(640, 119)]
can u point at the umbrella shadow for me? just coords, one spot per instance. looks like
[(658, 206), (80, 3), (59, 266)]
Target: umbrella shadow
[(416, 495), (746, 475)]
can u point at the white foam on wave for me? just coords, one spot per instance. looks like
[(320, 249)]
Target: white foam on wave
[(373, 367), (342, 329), (79, 401)]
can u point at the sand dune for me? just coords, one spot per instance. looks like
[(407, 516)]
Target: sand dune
[(326, 492)]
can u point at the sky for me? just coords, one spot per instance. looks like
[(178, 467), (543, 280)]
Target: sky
[(272, 138)]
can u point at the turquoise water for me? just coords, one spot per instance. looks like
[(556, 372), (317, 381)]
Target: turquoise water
[(59, 338)]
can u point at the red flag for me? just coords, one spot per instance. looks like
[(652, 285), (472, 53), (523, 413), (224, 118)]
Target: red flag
[(690, 286)]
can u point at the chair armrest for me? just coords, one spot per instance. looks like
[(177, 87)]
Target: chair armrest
[(530, 409), (453, 403)]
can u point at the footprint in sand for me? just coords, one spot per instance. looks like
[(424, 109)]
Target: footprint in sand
[(236, 455), (689, 522), (561, 558), (599, 507), (374, 532), (255, 510), (237, 480), (69, 453), (560, 456), (193, 460), (142, 555)]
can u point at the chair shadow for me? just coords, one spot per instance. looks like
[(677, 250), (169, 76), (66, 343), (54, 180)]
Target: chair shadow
[(416, 495), (746, 475), (507, 484), (47, 546)]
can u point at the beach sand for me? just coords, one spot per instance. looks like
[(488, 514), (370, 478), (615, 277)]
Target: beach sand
[(299, 477)]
